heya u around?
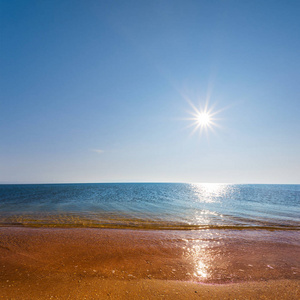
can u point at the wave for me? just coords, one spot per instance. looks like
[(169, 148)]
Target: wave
[(142, 225)]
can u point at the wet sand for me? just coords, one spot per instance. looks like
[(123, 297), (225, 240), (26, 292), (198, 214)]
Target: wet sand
[(82, 263)]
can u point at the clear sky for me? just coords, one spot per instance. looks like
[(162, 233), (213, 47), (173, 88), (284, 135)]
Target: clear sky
[(101, 91)]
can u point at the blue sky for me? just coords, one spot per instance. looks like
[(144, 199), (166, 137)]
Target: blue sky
[(96, 91)]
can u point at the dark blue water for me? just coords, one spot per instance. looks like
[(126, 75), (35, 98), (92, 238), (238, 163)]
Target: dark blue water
[(151, 205)]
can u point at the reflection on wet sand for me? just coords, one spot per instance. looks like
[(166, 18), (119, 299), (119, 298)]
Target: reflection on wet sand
[(208, 256), (234, 256), (200, 257), (203, 251)]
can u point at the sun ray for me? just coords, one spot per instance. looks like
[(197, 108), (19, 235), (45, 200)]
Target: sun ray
[(203, 118)]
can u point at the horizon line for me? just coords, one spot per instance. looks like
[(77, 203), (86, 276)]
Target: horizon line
[(141, 182)]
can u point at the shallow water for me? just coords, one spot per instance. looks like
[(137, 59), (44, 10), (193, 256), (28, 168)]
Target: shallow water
[(206, 256), (152, 206)]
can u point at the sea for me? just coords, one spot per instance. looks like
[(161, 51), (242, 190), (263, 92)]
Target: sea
[(156, 206)]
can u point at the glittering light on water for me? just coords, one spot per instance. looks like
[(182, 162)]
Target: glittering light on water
[(210, 192), (201, 269), (198, 252)]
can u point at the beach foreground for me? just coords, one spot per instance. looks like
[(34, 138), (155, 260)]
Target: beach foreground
[(85, 263)]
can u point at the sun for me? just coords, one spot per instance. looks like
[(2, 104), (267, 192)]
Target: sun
[(203, 119)]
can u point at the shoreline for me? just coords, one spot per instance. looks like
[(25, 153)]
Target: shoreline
[(36, 263), (154, 289), (184, 228)]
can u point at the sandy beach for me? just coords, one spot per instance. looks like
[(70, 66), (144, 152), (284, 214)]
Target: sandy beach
[(82, 263)]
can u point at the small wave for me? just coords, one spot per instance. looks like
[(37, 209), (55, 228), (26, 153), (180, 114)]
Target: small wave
[(145, 226)]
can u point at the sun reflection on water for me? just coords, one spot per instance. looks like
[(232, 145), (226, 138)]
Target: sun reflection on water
[(201, 270), (196, 252), (208, 197), (209, 192), (201, 253)]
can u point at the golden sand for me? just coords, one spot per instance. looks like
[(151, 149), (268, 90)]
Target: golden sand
[(126, 264)]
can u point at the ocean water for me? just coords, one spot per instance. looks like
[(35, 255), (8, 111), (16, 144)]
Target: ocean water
[(179, 206)]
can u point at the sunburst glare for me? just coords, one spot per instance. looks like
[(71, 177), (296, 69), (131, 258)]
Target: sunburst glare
[(203, 118)]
